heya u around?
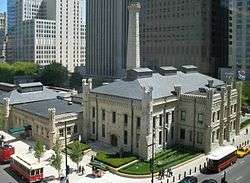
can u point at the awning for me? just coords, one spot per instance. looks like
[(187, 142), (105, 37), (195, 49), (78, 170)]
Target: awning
[(16, 131)]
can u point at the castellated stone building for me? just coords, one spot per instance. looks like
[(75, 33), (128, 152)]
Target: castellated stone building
[(167, 108), (172, 107), (40, 112)]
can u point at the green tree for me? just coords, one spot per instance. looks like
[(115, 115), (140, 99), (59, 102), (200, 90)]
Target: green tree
[(246, 93), (75, 81), (39, 149), (54, 75), (1, 118), (56, 159), (8, 71), (76, 154)]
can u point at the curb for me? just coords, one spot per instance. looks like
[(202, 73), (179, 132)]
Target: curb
[(113, 170)]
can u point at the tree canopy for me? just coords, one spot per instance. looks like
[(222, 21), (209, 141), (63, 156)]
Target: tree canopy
[(39, 149), (9, 71), (56, 160), (76, 154), (54, 75), (246, 93)]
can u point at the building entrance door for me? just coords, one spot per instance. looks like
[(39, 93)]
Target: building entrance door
[(113, 140)]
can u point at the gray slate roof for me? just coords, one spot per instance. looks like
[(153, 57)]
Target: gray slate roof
[(40, 108), (162, 85), (18, 98)]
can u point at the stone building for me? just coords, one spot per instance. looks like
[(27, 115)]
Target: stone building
[(42, 111), (168, 108)]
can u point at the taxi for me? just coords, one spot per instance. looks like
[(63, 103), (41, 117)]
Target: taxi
[(242, 152)]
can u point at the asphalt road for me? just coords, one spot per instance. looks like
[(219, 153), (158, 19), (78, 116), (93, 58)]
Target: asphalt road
[(7, 176), (238, 173)]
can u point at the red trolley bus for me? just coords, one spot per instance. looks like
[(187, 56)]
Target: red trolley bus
[(6, 150), (221, 158), (31, 171)]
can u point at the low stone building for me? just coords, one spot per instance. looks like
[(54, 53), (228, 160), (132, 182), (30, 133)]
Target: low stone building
[(166, 108), (43, 111)]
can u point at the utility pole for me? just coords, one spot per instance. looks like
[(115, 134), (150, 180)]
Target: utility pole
[(66, 154), (152, 158)]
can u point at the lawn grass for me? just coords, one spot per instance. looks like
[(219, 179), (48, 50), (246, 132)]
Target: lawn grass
[(245, 124), (114, 160), (163, 160), (84, 147)]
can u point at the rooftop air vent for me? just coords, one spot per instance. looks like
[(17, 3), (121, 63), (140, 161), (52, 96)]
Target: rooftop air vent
[(189, 68), (167, 71), (139, 73)]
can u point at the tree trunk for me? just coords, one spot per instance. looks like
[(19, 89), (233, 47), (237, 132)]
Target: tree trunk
[(59, 174)]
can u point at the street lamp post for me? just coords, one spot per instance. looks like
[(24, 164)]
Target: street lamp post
[(66, 154), (152, 158)]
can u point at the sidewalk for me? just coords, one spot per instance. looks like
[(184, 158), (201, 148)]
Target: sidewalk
[(191, 168)]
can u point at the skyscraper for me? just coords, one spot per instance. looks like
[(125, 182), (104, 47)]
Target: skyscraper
[(107, 27), (184, 32), (3, 36), (240, 34), (45, 31)]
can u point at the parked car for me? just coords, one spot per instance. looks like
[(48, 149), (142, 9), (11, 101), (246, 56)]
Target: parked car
[(48, 179), (189, 179), (209, 181), (242, 152)]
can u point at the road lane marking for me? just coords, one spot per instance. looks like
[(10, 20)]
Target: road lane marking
[(240, 177)]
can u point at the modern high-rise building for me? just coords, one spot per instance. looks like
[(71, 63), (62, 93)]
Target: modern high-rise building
[(106, 43), (241, 34), (45, 31), (3, 36), (184, 32)]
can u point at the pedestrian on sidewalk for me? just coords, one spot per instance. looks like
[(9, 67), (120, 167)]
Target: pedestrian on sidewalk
[(246, 131), (83, 170), (79, 169)]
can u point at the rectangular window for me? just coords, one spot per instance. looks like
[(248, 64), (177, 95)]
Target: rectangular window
[(125, 120), (113, 117), (218, 115), (125, 140), (61, 132), (167, 116), (138, 123), (93, 127), (200, 118), (154, 121), (182, 134), (103, 130), (68, 130), (172, 132), (93, 112), (137, 140), (160, 137), (160, 120), (75, 129), (172, 116), (103, 114), (217, 134), (213, 116), (183, 115), (199, 137), (213, 136), (190, 136), (235, 107)]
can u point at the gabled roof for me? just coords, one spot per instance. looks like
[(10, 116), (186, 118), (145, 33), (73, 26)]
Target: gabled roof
[(162, 85)]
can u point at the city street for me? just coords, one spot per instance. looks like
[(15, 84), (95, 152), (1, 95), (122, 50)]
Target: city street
[(238, 173), (6, 177)]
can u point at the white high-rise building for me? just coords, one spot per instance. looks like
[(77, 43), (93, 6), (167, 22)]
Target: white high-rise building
[(45, 31), (3, 33)]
